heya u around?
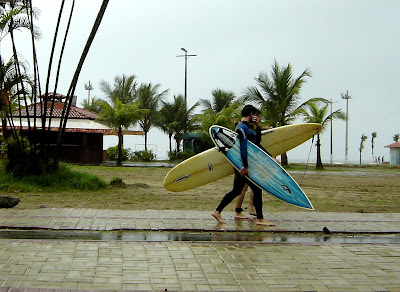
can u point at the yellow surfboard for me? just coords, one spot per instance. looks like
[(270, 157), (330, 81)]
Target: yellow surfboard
[(211, 165)]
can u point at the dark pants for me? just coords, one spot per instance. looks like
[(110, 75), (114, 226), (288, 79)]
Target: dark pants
[(238, 184)]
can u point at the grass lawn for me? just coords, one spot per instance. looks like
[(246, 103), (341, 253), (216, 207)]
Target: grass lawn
[(335, 189)]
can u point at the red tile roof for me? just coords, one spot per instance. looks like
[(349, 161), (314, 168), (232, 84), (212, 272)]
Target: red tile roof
[(75, 112), (393, 145)]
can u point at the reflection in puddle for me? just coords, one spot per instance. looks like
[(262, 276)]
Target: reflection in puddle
[(165, 236)]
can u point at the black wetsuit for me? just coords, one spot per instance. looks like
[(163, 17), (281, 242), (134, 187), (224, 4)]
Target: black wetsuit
[(245, 133)]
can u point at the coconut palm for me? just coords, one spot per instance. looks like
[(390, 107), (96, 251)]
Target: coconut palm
[(119, 111), (373, 136), (124, 88), (149, 99), (165, 120), (363, 139), (226, 117), (92, 104), (277, 96), (119, 116), (221, 99), (316, 111), (179, 120)]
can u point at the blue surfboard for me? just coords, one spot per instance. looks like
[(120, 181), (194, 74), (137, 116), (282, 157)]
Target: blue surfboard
[(264, 171)]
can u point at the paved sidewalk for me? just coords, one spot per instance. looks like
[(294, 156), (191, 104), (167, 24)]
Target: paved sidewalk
[(196, 266)]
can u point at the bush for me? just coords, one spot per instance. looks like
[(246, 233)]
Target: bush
[(112, 153), (179, 155), (143, 156)]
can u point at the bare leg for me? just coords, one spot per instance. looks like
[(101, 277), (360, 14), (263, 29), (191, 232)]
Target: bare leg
[(252, 210), (239, 202), (217, 215)]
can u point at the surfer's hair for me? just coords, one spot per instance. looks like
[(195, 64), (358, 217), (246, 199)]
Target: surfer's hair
[(248, 110)]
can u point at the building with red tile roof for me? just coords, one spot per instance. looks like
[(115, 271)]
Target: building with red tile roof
[(83, 138), (394, 153)]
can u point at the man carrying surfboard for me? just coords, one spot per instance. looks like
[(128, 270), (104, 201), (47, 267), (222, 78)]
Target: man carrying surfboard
[(245, 133)]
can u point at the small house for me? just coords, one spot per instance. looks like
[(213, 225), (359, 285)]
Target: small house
[(394, 153), (83, 137)]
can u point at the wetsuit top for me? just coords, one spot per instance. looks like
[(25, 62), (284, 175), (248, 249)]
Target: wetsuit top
[(247, 132)]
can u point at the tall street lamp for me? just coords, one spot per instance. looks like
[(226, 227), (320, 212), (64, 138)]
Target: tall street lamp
[(331, 102), (186, 56), (347, 97)]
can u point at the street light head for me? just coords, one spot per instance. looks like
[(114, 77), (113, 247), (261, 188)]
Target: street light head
[(183, 49), (345, 95)]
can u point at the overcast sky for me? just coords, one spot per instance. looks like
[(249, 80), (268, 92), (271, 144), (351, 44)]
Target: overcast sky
[(348, 45)]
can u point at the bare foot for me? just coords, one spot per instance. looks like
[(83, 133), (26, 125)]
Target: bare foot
[(252, 212), (264, 222), (241, 216), (217, 215)]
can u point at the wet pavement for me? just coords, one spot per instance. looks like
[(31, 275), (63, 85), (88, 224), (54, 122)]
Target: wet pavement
[(114, 250)]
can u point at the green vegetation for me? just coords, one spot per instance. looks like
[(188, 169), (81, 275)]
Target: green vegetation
[(65, 179)]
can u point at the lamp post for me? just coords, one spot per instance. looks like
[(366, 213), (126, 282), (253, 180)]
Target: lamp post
[(88, 87), (331, 102), (347, 97), (186, 56)]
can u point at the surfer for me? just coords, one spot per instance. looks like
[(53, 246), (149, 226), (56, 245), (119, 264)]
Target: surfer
[(256, 120), (245, 132)]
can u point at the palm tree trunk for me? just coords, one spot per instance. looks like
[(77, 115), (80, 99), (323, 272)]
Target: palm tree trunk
[(284, 159), (319, 161), (170, 142), (71, 90), (145, 141), (119, 149)]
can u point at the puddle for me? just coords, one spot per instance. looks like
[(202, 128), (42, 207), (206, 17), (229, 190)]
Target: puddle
[(164, 236)]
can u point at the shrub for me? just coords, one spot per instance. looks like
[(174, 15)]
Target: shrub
[(112, 153), (143, 155), (180, 155)]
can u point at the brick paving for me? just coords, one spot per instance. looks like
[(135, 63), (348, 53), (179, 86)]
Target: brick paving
[(112, 265)]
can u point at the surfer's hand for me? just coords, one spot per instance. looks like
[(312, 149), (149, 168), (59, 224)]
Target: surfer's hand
[(244, 171)]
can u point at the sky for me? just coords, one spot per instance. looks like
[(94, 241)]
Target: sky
[(349, 46)]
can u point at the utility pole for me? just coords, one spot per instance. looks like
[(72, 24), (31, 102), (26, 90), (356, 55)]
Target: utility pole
[(347, 97), (331, 132), (88, 87), (186, 56)]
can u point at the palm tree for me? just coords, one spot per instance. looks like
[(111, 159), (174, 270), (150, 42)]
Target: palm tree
[(119, 116), (74, 81), (277, 96), (149, 99), (316, 111), (9, 97), (396, 138), (121, 110), (92, 104), (166, 119), (373, 136), (178, 120), (221, 99), (124, 88), (363, 139), (226, 117)]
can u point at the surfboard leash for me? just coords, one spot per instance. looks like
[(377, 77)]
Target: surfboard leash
[(308, 159)]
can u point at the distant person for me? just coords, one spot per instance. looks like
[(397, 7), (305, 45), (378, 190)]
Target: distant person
[(245, 133)]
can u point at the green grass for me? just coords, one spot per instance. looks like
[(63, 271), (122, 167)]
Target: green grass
[(65, 179)]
